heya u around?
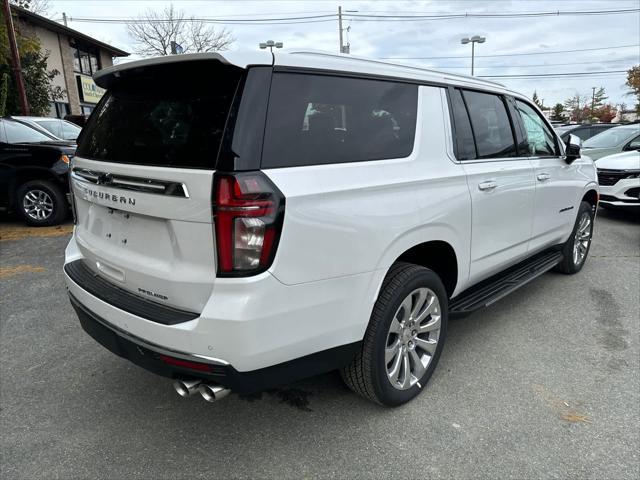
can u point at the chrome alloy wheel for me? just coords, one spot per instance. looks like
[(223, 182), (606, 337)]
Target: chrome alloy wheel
[(38, 204), (582, 239), (412, 338)]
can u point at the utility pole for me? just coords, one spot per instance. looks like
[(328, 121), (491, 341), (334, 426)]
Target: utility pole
[(15, 59), (340, 28), (593, 102), (64, 19)]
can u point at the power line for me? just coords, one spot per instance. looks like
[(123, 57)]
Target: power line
[(514, 54), (558, 13), (356, 17), (570, 74), (537, 65)]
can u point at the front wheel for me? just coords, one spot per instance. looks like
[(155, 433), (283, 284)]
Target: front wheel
[(576, 249), (404, 338)]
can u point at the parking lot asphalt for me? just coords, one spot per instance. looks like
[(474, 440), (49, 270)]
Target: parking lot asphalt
[(545, 383)]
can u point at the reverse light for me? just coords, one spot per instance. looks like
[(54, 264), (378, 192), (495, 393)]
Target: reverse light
[(249, 211)]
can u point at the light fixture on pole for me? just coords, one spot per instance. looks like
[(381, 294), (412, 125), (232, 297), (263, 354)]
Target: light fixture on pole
[(473, 40), (270, 44)]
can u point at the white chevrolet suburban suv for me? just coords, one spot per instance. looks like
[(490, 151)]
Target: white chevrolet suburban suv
[(247, 220)]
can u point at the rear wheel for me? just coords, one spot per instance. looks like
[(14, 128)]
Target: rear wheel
[(41, 203), (404, 338), (576, 249)]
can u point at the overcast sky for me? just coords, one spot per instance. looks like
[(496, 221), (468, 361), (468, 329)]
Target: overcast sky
[(425, 38)]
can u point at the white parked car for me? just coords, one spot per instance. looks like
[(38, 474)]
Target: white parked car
[(619, 178), (57, 127), (624, 138), (254, 219)]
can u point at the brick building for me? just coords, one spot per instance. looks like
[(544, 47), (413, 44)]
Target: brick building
[(75, 55)]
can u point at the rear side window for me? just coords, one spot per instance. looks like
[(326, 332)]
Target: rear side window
[(540, 139), (318, 119), (466, 149), (491, 125), (166, 115)]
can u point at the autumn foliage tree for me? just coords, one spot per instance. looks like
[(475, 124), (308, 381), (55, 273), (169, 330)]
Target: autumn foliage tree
[(633, 82)]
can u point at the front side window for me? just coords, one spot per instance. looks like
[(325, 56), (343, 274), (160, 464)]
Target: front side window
[(491, 125), (539, 137), (319, 119)]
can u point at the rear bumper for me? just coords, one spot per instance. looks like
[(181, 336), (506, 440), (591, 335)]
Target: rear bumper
[(248, 323), (150, 357)]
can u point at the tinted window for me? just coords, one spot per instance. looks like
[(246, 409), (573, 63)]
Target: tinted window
[(19, 133), (317, 119), (466, 149), (176, 122), (491, 126), (541, 140)]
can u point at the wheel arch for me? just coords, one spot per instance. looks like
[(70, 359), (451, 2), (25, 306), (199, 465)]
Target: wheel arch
[(591, 196), (436, 255), (24, 175)]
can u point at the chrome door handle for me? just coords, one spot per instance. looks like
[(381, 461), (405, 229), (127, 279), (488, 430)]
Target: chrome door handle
[(488, 185), (543, 177)]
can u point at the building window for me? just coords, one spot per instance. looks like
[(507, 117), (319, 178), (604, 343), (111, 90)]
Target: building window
[(85, 60), (86, 109), (58, 109)]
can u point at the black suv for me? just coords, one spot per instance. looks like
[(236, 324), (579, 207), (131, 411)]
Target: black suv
[(34, 171)]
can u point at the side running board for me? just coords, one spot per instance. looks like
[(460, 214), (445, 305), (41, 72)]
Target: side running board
[(493, 289)]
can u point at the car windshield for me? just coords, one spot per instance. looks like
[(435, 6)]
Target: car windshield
[(611, 137), (60, 128), (562, 130), (19, 133)]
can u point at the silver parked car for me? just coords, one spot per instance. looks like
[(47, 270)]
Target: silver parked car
[(624, 138), (57, 127)]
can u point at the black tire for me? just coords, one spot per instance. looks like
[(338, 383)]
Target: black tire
[(568, 265), (367, 373), (55, 196)]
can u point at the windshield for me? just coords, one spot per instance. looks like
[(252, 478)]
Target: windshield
[(611, 138), (562, 130), (19, 133)]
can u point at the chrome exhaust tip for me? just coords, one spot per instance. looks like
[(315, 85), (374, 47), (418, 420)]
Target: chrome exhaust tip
[(212, 392), (186, 388)]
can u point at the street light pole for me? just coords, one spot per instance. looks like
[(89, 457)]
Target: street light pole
[(340, 28), (15, 59), (473, 40)]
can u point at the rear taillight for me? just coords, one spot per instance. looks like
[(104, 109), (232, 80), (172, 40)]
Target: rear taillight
[(249, 211)]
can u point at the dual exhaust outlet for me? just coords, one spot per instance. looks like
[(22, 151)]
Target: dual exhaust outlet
[(209, 391)]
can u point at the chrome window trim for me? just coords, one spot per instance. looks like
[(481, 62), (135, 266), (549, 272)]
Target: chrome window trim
[(138, 184)]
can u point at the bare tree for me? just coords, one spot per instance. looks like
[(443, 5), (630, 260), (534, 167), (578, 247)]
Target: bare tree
[(154, 31), (41, 7)]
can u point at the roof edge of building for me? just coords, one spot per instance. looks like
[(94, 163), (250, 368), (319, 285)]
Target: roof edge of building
[(57, 27)]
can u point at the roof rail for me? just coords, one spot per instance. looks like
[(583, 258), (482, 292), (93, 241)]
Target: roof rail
[(340, 56)]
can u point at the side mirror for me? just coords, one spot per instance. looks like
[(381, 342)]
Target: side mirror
[(572, 148)]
